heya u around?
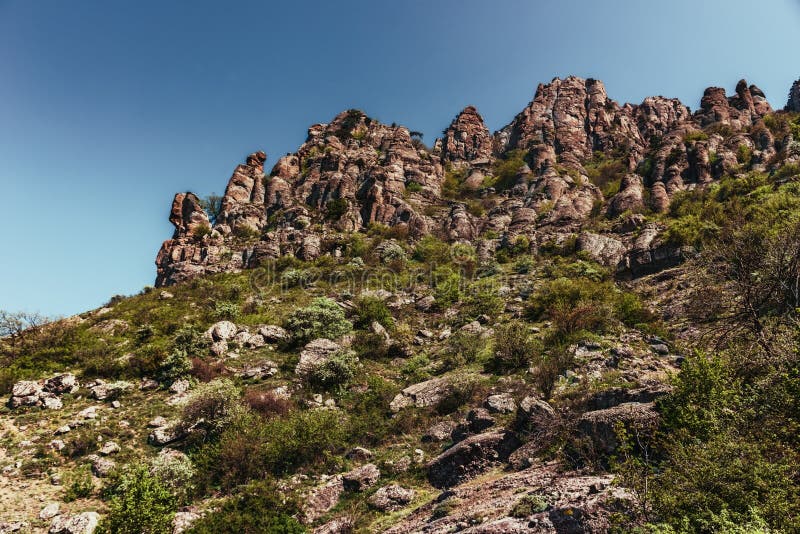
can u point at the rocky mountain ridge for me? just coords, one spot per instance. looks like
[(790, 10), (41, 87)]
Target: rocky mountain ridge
[(531, 179)]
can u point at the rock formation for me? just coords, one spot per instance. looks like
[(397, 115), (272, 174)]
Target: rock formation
[(355, 172)]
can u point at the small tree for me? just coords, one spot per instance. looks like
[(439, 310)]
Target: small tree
[(213, 206), (513, 347), (323, 318), (141, 503)]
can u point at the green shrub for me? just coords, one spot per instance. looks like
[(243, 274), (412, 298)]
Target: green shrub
[(336, 208), (259, 507), (392, 252), (78, 485), (140, 503), (369, 309), (432, 251), (295, 278), (529, 505), (228, 311), (514, 347), (323, 318), (176, 473), (505, 169), (463, 349), (336, 372), (482, 298), (177, 365), (254, 448), (214, 406), (413, 187), (448, 287), (189, 339)]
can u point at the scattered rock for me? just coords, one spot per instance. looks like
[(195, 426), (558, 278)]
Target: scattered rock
[(260, 370), (83, 523), (110, 391), (183, 521), (501, 403), (109, 447), (359, 454), (222, 331), (440, 431), (361, 478), (423, 394), (101, 467), (49, 511), (273, 333), (61, 384), (180, 386), (392, 497), (315, 354), (322, 499), (471, 457), (534, 413), (599, 425)]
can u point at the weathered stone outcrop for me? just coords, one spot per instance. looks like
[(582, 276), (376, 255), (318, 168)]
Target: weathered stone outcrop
[(355, 172), (471, 457)]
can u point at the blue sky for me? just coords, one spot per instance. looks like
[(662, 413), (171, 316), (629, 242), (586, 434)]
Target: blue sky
[(107, 108)]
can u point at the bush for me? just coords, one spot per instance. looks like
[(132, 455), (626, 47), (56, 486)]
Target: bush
[(463, 349), (482, 298), (140, 503), (513, 347), (336, 372), (78, 485), (189, 339), (259, 507), (369, 309), (432, 251), (176, 473), (214, 406), (228, 311), (175, 366), (254, 448), (392, 252), (448, 287), (336, 208), (267, 403), (323, 318), (295, 278)]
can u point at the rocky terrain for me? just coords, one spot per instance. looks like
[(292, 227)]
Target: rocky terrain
[(501, 333)]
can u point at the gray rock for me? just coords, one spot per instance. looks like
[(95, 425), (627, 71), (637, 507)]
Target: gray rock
[(222, 331), (102, 467), (440, 431), (361, 478), (49, 511), (273, 333), (83, 523), (392, 497), (470, 458), (315, 354), (423, 394), (60, 384), (322, 499), (501, 403), (534, 413), (599, 425)]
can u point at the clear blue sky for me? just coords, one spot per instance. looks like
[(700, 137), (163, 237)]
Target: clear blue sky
[(109, 107)]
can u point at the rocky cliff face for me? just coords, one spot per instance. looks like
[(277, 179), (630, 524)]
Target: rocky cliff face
[(355, 172)]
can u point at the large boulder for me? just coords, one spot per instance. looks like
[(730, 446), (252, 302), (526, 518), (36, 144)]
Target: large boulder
[(471, 457), (322, 499), (83, 523), (222, 331), (60, 384), (599, 426), (361, 478), (423, 394), (314, 354), (392, 497)]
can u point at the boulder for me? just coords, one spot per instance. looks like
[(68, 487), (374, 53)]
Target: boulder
[(101, 467), (83, 523), (183, 521), (110, 391), (322, 499), (533, 414), (599, 426), (440, 431), (60, 384), (392, 497), (259, 370), (315, 354), (423, 394), (222, 331), (361, 478), (470, 458), (500, 403), (273, 334)]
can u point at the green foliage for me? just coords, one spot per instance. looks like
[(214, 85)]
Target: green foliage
[(606, 173), (447, 290), (295, 278), (694, 136), (323, 318), (254, 448), (744, 155), (176, 473), (201, 230), (140, 503), (431, 250), (213, 406), (259, 507), (78, 485), (229, 311), (482, 298), (177, 365), (505, 169), (463, 349), (453, 182), (369, 309), (335, 372), (413, 187), (246, 232), (514, 347), (529, 505), (336, 208)]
